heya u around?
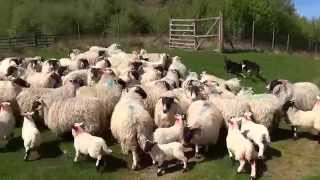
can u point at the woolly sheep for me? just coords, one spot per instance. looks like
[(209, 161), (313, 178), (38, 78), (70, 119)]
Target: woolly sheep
[(300, 118), (257, 133), (44, 80), (304, 93), (166, 109), (30, 134), (85, 143), (151, 74), (206, 117), (170, 134), (7, 121), (131, 124), (61, 114), (166, 152), (179, 66), (240, 148)]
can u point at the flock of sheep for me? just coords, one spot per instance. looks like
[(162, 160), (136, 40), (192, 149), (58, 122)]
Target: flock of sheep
[(148, 102)]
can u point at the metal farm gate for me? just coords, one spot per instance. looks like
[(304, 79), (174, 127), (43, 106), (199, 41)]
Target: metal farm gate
[(190, 34)]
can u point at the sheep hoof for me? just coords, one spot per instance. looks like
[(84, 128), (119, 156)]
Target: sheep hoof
[(135, 167), (160, 172), (252, 178), (185, 170), (295, 138)]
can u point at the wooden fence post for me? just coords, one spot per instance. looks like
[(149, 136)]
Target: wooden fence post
[(35, 40), (273, 38), (288, 42), (252, 40), (221, 33)]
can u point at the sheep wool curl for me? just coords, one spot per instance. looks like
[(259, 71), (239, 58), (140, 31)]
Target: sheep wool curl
[(131, 123), (205, 116), (63, 113)]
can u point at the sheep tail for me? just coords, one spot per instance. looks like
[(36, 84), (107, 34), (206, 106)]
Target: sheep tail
[(105, 150)]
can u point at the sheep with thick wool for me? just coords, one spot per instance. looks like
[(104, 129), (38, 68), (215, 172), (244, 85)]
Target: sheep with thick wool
[(240, 148), (7, 120), (30, 134), (61, 114), (166, 109), (179, 66), (87, 144), (44, 80), (171, 134), (206, 117), (151, 74), (166, 152), (304, 93), (131, 123), (257, 133), (300, 118)]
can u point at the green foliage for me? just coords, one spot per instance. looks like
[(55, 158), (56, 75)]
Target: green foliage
[(152, 16)]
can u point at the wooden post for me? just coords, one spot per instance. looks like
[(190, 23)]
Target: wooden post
[(273, 38), (288, 42), (195, 35), (170, 22), (252, 40), (221, 34), (79, 36)]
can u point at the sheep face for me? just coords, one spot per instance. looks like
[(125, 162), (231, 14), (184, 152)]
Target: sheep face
[(12, 71), (20, 82), (83, 64), (34, 65), (272, 85), (166, 103)]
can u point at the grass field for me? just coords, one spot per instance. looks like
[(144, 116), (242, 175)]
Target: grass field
[(286, 159)]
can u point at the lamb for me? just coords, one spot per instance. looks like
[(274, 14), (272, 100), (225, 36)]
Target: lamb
[(179, 66), (85, 143), (30, 134), (304, 93), (166, 109), (257, 133), (205, 117), (240, 148), (131, 124), (61, 114), (300, 118), (7, 120), (170, 134), (166, 152)]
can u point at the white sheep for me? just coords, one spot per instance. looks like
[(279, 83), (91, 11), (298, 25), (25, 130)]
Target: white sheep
[(44, 80), (257, 133), (166, 109), (304, 93), (7, 121), (166, 152), (300, 118), (85, 143), (170, 134), (30, 134), (205, 117), (179, 66), (131, 124), (240, 148)]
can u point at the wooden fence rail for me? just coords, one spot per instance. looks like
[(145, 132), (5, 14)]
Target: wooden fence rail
[(37, 40)]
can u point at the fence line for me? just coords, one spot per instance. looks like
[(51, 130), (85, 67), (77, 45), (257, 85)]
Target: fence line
[(37, 40)]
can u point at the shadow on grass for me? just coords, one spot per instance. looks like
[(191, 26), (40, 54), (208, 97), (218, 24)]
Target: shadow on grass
[(50, 149), (285, 134), (113, 163), (13, 145)]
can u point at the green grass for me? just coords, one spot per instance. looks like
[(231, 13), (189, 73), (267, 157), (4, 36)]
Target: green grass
[(287, 159)]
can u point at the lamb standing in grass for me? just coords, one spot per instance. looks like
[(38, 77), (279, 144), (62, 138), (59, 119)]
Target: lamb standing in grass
[(257, 133), (87, 144), (166, 152), (240, 148), (30, 134)]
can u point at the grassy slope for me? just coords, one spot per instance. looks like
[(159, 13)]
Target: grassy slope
[(288, 159)]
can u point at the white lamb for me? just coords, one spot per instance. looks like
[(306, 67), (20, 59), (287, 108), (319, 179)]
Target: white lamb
[(257, 133), (87, 144), (30, 134), (240, 148), (166, 152), (171, 134)]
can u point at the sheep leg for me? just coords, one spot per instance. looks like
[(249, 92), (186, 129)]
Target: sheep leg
[(98, 163), (76, 156), (253, 169), (240, 168), (261, 150), (197, 154), (206, 148), (294, 131), (135, 159), (27, 154)]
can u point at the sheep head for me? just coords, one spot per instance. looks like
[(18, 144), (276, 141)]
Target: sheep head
[(77, 129), (167, 102), (29, 115), (18, 81), (83, 63)]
